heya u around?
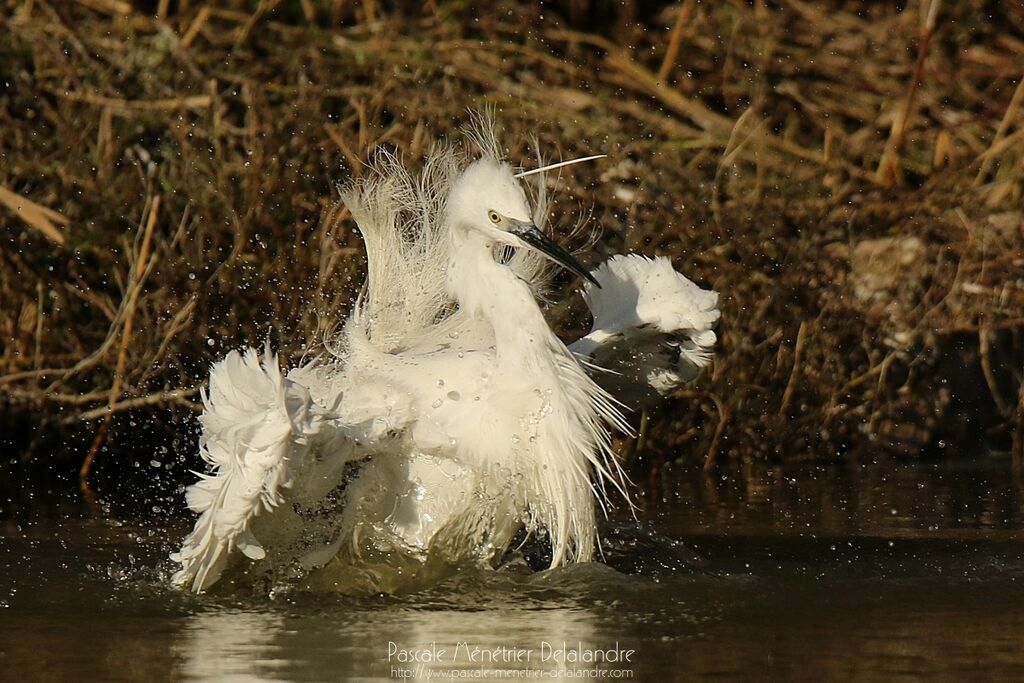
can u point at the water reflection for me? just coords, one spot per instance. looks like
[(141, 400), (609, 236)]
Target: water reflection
[(488, 640), (233, 646), (973, 499), (871, 572), (398, 643)]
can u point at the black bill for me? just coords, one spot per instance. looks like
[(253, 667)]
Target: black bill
[(529, 233)]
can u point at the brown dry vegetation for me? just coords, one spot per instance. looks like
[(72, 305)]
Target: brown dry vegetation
[(848, 175)]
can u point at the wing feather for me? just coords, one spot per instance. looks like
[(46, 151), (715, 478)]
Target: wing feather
[(258, 427), (652, 331)]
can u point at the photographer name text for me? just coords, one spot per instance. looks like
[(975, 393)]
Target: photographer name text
[(561, 652)]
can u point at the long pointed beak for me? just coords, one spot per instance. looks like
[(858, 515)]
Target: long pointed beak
[(532, 236)]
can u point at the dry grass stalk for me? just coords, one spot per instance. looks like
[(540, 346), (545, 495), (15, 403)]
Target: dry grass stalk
[(189, 102), (370, 10), (246, 141), (141, 265), (36, 215), (162, 398), (888, 165), (1008, 117), (354, 160), (39, 326), (985, 345), (117, 8), (798, 356), (711, 456), (262, 9), (195, 27), (675, 41), (646, 81)]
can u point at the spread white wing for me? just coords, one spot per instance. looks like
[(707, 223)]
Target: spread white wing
[(652, 328), (266, 436)]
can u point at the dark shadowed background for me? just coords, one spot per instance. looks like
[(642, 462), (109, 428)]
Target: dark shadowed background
[(848, 175)]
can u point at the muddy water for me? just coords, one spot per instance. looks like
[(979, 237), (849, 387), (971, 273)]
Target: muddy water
[(858, 571)]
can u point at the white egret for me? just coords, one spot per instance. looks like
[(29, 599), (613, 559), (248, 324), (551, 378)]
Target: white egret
[(447, 417)]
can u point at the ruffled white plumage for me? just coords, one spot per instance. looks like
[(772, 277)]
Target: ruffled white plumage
[(652, 328), (380, 397), (258, 427)]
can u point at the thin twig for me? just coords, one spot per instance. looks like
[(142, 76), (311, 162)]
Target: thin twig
[(353, 158), (175, 396), (112, 7), (141, 263), (1004, 124), (984, 344), (39, 325), (692, 109), (798, 354), (370, 9), (640, 79), (261, 9), (723, 418), (888, 165), (36, 215), (187, 102), (676, 40), (195, 27)]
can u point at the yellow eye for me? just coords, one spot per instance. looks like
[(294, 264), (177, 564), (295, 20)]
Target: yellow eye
[(494, 217)]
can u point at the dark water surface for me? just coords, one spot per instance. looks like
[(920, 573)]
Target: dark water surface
[(878, 572)]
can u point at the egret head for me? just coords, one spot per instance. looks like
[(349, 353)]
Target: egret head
[(488, 199)]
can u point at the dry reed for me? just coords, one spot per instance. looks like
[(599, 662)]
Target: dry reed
[(849, 181)]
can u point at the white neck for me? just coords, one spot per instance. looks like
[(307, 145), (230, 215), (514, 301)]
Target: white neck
[(491, 291), (568, 441)]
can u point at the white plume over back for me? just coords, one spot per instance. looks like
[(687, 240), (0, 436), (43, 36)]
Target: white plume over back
[(652, 328), (402, 220)]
